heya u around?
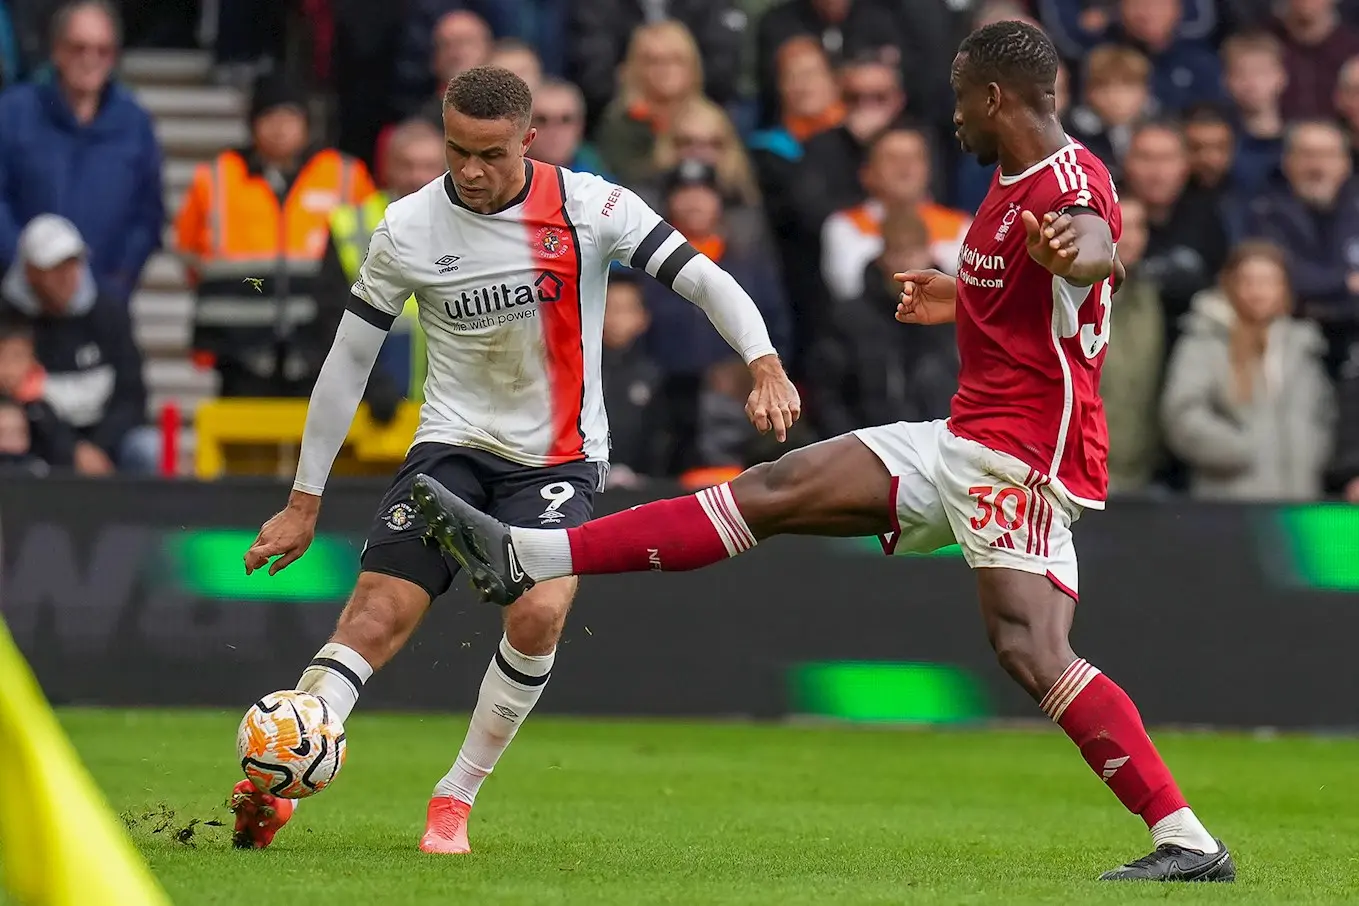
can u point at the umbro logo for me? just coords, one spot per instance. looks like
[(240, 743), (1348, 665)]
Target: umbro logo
[(447, 263), (505, 712)]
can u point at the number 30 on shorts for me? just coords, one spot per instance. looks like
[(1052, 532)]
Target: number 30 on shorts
[(1006, 507)]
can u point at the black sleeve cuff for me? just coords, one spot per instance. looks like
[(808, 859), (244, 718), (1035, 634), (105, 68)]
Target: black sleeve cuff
[(379, 319)]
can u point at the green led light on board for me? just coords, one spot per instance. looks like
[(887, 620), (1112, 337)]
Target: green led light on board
[(886, 692), (1322, 542), (207, 563)]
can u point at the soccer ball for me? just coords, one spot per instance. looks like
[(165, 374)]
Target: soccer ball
[(290, 744)]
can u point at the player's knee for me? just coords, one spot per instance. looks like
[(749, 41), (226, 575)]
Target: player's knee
[(534, 623), (766, 492), (1034, 660)]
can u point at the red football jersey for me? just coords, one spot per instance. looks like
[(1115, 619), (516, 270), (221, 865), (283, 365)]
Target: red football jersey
[(1031, 344)]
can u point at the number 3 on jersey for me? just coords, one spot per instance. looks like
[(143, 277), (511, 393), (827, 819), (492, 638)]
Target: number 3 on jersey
[(1094, 339)]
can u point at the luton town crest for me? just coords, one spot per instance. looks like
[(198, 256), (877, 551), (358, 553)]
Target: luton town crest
[(551, 242)]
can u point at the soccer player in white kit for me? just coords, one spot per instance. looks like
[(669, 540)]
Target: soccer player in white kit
[(508, 259)]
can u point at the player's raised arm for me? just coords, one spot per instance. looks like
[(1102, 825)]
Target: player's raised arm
[(375, 300), (644, 241), (1076, 245)]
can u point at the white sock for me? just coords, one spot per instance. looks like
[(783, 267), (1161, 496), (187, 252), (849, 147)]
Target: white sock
[(336, 675), (509, 691), (1183, 828), (543, 553)]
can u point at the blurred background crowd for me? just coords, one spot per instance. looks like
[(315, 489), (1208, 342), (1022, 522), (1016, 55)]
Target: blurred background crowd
[(186, 191)]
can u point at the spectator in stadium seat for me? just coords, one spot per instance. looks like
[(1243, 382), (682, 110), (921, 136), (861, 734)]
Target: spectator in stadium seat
[(896, 175), (1183, 72), (1344, 471), (230, 228), (92, 368), (559, 117), (462, 40), (1116, 94), (632, 385), (16, 442), (865, 368), (912, 38), (1186, 240), (1076, 26), (519, 58), (701, 130), (414, 158), (1316, 43), (441, 38), (1247, 402), (1314, 217), (82, 147), (662, 72), (828, 179), (1347, 103), (602, 36), (681, 339), (48, 439), (1131, 381), (1255, 77), (1212, 147)]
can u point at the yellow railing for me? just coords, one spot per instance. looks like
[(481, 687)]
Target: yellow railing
[(262, 436)]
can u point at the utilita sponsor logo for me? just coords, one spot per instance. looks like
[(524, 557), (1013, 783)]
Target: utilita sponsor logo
[(488, 306)]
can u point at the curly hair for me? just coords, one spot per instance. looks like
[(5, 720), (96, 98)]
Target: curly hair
[(1012, 53), (490, 93)]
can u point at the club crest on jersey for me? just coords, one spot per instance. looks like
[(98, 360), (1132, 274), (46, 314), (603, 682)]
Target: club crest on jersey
[(550, 242), (400, 516), (1007, 221)]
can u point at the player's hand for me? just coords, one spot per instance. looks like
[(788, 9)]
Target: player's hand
[(1051, 243), (286, 536), (774, 404), (927, 297)]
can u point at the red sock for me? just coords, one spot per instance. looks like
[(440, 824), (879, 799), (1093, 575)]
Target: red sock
[(1101, 719), (667, 535)]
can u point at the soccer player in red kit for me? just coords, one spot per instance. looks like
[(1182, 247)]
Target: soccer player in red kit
[(1022, 455)]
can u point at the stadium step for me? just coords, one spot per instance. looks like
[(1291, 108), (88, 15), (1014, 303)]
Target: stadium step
[(166, 67), (200, 138), (162, 321), (191, 101), (164, 271), (178, 172), (178, 381)]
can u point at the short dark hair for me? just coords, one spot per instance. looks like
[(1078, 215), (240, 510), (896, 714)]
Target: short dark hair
[(490, 93), (1205, 113), (1012, 53), (1167, 124)]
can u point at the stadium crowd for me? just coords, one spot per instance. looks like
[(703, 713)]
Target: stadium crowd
[(805, 145)]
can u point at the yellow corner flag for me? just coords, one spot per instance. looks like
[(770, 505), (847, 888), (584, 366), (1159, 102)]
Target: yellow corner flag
[(60, 845)]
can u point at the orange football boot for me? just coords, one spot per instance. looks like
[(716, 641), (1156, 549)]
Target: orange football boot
[(258, 815), (446, 827)]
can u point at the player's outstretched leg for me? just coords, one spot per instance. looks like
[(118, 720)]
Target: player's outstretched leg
[(834, 488), (1028, 620), (381, 614), (514, 681)]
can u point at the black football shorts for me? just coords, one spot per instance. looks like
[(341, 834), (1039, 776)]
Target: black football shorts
[(559, 496)]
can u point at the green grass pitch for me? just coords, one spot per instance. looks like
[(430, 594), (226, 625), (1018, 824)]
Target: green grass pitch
[(624, 812)]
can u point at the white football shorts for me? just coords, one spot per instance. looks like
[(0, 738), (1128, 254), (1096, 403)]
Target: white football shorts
[(1001, 512)]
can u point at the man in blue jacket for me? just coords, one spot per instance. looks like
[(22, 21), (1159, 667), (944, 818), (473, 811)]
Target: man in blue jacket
[(81, 146), (1314, 216)]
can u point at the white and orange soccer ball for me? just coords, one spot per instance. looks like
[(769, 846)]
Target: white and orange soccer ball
[(290, 744)]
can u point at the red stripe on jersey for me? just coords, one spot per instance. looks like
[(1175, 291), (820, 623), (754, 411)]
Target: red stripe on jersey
[(556, 250)]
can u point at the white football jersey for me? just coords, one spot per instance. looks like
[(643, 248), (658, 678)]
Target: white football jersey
[(512, 305)]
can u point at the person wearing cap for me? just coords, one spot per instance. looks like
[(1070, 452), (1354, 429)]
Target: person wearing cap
[(90, 366), (80, 145), (254, 229), (684, 345)]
